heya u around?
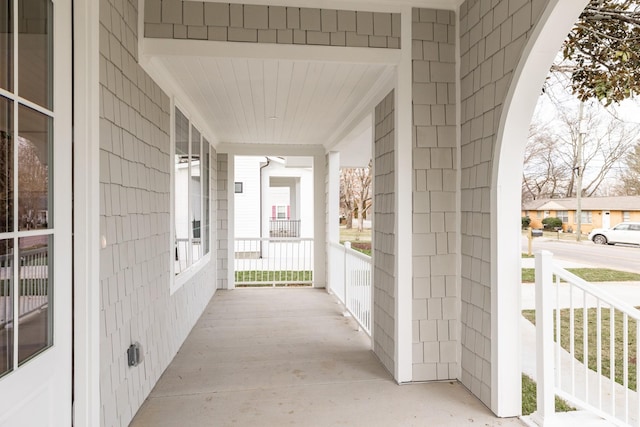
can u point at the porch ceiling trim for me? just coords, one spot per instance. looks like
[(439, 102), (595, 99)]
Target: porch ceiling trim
[(208, 48), (366, 5), (252, 149)]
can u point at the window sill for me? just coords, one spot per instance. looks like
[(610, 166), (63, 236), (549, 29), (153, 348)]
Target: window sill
[(189, 273)]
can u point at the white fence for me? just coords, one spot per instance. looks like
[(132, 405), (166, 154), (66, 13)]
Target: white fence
[(593, 323), (34, 284), (279, 261), (350, 272)]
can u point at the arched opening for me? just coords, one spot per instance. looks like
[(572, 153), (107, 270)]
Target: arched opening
[(517, 112)]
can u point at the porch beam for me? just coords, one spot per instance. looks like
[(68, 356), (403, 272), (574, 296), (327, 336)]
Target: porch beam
[(215, 49), (365, 5)]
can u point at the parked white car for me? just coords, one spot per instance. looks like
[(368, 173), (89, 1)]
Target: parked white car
[(625, 232)]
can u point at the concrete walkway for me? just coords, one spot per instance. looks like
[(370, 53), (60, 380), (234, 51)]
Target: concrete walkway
[(276, 357)]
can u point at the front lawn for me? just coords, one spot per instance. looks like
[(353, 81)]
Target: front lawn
[(589, 274), (529, 402)]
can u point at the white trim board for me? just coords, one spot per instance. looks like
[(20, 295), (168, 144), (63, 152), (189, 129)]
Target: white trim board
[(208, 48)]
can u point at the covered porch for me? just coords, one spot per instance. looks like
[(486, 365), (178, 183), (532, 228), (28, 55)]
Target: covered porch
[(289, 357)]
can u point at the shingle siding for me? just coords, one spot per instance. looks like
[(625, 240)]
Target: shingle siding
[(384, 315), (492, 40), (269, 24), (436, 312), (135, 277)]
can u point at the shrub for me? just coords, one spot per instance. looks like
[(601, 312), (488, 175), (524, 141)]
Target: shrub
[(526, 222), (552, 223)]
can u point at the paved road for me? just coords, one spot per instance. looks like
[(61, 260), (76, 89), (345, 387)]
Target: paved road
[(625, 258)]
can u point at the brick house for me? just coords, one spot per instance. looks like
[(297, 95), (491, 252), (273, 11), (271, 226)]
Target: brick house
[(597, 212)]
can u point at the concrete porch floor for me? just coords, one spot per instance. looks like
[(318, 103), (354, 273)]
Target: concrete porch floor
[(275, 357)]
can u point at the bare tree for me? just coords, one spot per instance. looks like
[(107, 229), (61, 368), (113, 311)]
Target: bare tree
[(543, 176), (629, 182), (346, 196), (6, 181), (33, 182), (551, 156), (355, 194)]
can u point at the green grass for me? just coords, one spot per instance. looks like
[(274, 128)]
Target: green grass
[(268, 277), (528, 256), (565, 325), (364, 247), (360, 240), (529, 403), (589, 274)]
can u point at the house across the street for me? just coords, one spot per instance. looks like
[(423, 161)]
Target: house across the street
[(597, 212)]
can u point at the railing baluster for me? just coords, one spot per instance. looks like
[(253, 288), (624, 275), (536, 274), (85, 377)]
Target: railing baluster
[(558, 348), (637, 372), (599, 350), (585, 343), (612, 357), (625, 364), (347, 275), (572, 344)]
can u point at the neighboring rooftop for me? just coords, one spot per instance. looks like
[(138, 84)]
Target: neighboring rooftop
[(620, 203)]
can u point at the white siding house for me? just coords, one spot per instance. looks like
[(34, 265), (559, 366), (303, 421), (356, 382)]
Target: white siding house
[(274, 190)]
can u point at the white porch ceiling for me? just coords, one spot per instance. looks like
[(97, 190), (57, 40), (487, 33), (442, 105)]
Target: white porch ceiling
[(275, 101)]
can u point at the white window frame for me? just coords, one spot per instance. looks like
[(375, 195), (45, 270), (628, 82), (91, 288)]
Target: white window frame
[(563, 215), (586, 217), (183, 277), (626, 216)]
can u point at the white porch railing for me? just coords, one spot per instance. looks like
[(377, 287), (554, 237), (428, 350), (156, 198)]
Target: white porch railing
[(279, 261), (586, 321), (34, 284), (351, 282)]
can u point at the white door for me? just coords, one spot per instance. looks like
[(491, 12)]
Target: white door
[(606, 220), (35, 213)]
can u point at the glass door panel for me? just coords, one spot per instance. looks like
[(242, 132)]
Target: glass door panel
[(35, 52), (34, 152), (34, 308), (6, 45), (6, 165), (6, 306)]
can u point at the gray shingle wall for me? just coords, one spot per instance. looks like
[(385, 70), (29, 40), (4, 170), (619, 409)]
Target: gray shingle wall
[(436, 313), (135, 162), (222, 223), (384, 233), (492, 38), (270, 24)]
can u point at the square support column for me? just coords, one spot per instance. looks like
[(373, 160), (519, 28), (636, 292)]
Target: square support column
[(403, 206), (319, 226)]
